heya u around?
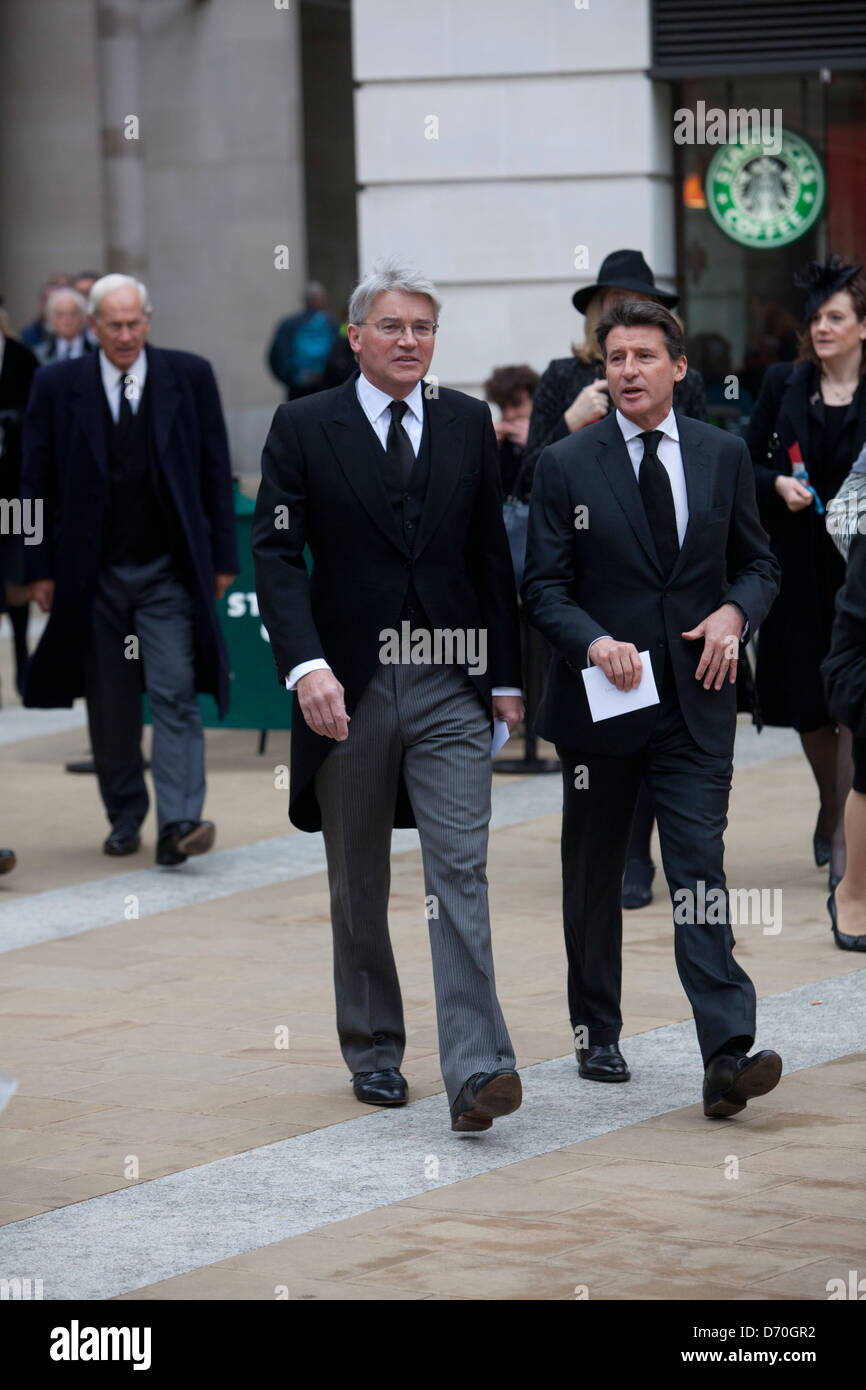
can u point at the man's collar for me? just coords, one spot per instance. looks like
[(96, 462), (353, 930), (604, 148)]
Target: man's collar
[(114, 374), (630, 429), (376, 401)]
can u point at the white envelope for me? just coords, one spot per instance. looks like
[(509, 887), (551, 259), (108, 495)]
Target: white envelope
[(500, 736), (605, 701)]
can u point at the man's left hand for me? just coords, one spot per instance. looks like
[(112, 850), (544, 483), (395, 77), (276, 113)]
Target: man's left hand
[(721, 633), (510, 708), (221, 582)]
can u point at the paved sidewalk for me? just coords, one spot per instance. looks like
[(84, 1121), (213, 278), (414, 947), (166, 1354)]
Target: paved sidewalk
[(194, 1034)]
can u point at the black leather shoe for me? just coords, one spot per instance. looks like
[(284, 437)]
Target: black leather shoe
[(7, 861), (843, 939), (637, 883), (731, 1081), (603, 1062), (484, 1097), (182, 838), (122, 842), (385, 1087)]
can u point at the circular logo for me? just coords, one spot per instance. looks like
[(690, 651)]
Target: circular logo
[(762, 197)]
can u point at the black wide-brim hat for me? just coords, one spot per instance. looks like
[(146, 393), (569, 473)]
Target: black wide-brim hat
[(624, 270)]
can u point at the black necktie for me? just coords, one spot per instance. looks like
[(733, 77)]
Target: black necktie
[(399, 446), (658, 501), (124, 414)]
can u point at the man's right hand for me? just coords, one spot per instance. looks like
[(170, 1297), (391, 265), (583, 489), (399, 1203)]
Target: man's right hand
[(41, 591), (793, 493), (323, 705), (589, 405), (619, 661)]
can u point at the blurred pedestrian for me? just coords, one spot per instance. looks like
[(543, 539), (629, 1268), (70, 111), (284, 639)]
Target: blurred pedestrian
[(844, 672), (17, 365), (512, 389), (127, 446), (302, 344), (806, 430), (65, 322), (35, 332)]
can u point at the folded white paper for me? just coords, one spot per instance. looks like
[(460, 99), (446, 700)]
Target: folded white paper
[(500, 736), (605, 701)]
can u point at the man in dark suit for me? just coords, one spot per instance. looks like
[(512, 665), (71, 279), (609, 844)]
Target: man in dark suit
[(400, 647), (644, 536), (127, 449), (17, 366)]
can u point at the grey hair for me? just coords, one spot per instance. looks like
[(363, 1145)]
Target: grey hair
[(390, 273), (108, 284), (64, 292)]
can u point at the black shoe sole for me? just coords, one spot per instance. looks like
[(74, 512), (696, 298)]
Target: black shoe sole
[(198, 841), (367, 1100), (121, 853), (757, 1080), (501, 1096)]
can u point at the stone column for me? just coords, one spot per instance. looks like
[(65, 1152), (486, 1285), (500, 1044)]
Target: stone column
[(121, 136)]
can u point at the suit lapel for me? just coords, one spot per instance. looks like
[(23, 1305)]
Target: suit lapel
[(447, 445), (88, 403), (359, 454), (164, 402), (617, 467), (697, 475)]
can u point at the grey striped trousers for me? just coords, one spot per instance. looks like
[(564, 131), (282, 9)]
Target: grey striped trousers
[(429, 721)]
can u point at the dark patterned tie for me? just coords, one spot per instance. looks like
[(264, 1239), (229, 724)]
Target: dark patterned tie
[(124, 414), (399, 445), (658, 501)]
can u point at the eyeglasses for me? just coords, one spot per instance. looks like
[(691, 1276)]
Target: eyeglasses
[(393, 328)]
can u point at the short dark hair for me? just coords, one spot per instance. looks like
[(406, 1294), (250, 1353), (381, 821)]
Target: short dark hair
[(506, 385), (637, 313)]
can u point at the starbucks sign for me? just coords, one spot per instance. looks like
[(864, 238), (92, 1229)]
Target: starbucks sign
[(764, 198)]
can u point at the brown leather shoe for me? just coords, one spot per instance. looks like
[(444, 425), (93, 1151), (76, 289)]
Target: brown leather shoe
[(484, 1097)]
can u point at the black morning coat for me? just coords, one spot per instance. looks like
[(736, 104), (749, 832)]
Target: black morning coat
[(65, 464), (601, 577), (323, 462)]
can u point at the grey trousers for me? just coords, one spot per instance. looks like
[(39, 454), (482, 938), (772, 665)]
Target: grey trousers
[(148, 602), (429, 721)]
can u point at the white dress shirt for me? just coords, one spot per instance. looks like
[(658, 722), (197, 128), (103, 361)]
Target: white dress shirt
[(376, 406), (670, 456), (69, 348), (112, 382)]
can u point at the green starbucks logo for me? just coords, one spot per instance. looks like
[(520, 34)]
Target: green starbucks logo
[(765, 198)]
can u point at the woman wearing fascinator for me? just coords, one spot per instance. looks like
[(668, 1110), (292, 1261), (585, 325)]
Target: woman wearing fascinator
[(807, 428)]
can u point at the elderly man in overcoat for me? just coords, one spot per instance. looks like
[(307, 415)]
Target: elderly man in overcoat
[(125, 449)]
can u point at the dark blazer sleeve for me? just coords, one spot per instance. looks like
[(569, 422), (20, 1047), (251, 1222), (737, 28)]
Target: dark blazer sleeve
[(844, 667), (215, 472), (490, 569), (39, 478), (549, 572), (762, 424), (282, 582), (753, 570)]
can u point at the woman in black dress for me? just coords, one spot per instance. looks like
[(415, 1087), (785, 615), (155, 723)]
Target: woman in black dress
[(811, 416), (572, 393), (844, 674)]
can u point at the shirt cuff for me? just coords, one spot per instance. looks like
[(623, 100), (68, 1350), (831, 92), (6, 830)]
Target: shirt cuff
[(303, 667), (506, 690), (592, 644)]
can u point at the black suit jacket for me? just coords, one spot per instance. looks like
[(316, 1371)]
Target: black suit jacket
[(604, 578), (323, 462), (65, 464)]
